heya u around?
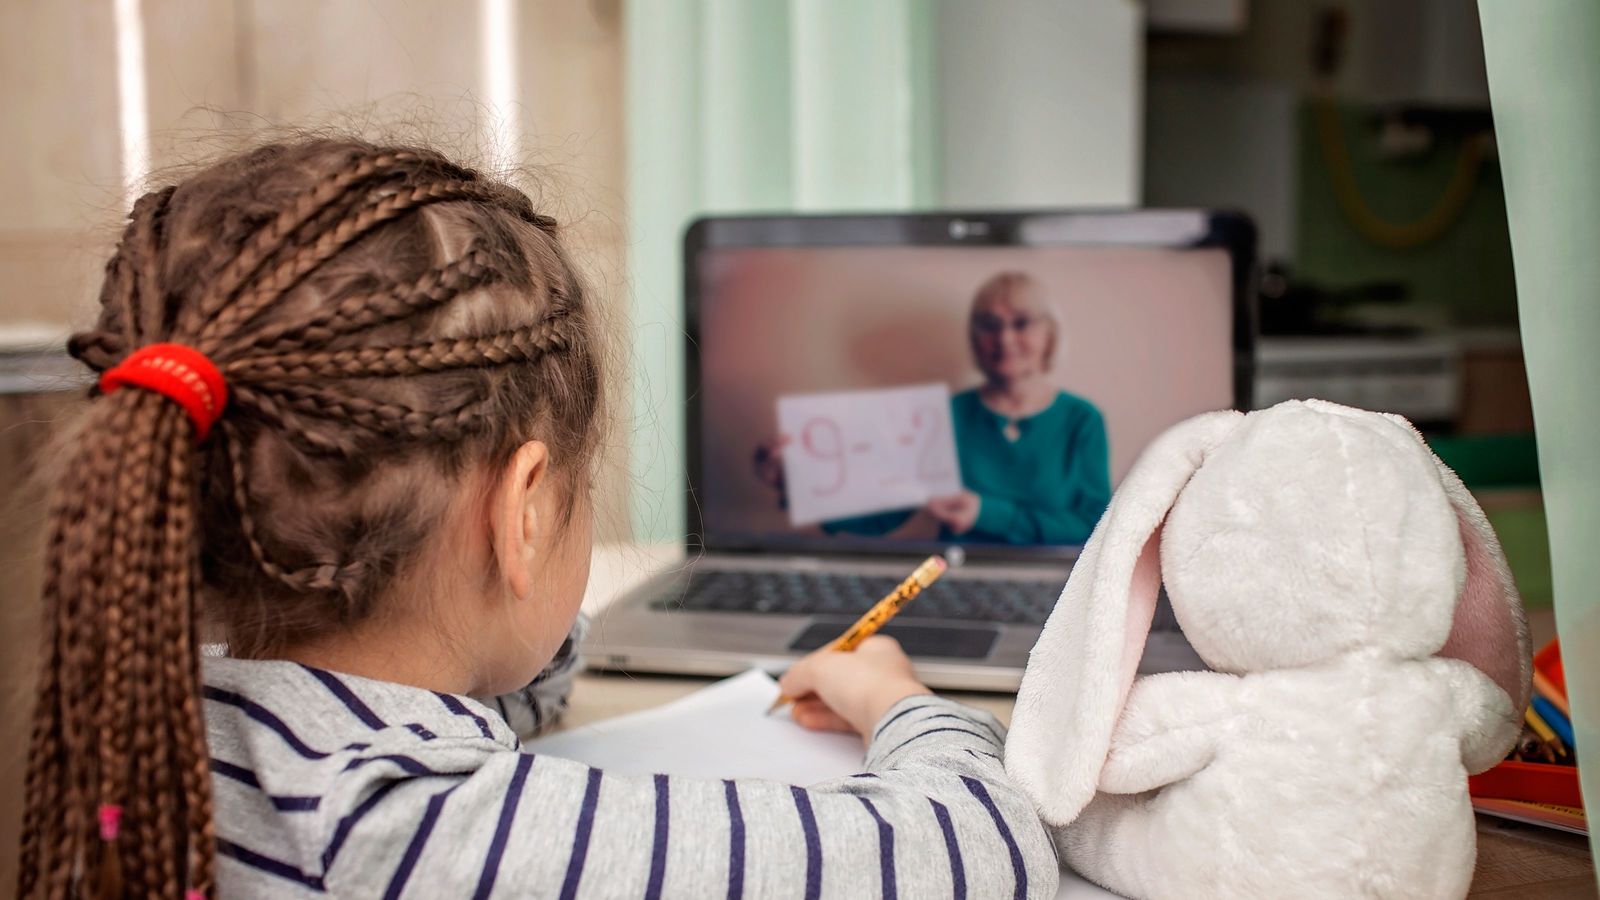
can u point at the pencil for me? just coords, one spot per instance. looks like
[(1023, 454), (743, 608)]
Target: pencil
[(1543, 731), (1549, 691), (880, 613), (1553, 718)]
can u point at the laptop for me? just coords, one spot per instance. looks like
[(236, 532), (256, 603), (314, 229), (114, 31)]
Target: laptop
[(867, 390)]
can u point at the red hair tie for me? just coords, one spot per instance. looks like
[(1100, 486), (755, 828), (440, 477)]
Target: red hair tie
[(181, 373)]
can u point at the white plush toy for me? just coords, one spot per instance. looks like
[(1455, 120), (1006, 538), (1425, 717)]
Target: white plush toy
[(1368, 650)]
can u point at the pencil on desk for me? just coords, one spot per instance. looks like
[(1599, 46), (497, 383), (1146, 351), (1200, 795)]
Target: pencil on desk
[(881, 612), (1543, 730), (1553, 718), (1550, 692)]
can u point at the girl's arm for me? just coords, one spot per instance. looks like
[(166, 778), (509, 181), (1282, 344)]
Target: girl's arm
[(934, 815), (540, 704)]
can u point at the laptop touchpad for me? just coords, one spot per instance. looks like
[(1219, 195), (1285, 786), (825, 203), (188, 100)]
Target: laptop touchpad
[(918, 640)]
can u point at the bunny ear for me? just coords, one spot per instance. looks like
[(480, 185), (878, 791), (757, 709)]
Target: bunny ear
[(1490, 630), (1083, 665)]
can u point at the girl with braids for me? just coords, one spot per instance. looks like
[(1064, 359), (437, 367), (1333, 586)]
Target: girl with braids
[(349, 398)]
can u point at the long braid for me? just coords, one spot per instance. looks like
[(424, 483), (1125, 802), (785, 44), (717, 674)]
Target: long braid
[(182, 567), (321, 577), (160, 853), (43, 784), (511, 345), (286, 275), (130, 542), (365, 311), (118, 786), (146, 309), (149, 807), (380, 419), (86, 644), (268, 241)]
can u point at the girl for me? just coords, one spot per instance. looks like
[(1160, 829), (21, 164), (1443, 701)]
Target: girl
[(348, 406)]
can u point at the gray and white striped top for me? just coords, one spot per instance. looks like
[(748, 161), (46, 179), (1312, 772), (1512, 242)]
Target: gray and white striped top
[(330, 784)]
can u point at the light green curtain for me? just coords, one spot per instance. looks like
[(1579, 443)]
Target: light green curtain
[(723, 117), (1544, 83)]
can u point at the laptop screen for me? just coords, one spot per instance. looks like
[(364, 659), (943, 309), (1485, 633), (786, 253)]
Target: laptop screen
[(908, 398)]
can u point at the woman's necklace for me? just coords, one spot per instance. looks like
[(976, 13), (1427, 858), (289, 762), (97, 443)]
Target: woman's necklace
[(1018, 410)]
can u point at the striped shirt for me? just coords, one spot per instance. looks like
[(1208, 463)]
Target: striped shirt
[(330, 784)]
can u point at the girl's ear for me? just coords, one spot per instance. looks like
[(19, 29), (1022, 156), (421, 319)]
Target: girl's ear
[(1082, 668), (514, 516)]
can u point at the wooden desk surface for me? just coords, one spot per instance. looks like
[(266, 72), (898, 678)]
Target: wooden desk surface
[(1514, 861)]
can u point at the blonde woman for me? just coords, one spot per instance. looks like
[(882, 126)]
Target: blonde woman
[(1034, 458)]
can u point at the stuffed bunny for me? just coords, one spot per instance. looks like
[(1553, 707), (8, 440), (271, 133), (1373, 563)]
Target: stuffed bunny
[(1368, 651)]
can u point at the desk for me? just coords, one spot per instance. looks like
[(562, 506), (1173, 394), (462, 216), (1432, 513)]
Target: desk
[(1513, 861)]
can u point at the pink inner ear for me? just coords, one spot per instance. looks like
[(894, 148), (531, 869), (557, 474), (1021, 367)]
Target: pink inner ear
[(1142, 589), (1485, 632)]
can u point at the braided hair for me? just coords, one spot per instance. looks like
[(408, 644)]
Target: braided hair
[(385, 320)]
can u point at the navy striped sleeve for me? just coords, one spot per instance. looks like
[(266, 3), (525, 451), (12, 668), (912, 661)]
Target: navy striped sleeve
[(502, 830), (958, 874), (419, 842), (458, 708), (342, 691), (658, 846), (885, 851), (919, 736), (1018, 867), (263, 863), (884, 725), (735, 842), (341, 831), (580, 837), (808, 825), (264, 716)]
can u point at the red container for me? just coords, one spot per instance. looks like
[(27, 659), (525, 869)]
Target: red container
[(1529, 782), (1548, 662)]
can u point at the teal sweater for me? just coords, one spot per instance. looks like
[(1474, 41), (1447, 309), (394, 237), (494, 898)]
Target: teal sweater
[(1047, 487)]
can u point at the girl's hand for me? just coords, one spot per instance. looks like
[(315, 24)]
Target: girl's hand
[(850, 691)]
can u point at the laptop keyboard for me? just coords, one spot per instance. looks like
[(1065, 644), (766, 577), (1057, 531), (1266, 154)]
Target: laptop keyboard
[(828, 593)]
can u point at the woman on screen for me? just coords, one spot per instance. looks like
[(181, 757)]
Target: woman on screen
[(1034, 458)]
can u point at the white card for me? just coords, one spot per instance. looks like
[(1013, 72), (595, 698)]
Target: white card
[(721, 731), (853, 453)]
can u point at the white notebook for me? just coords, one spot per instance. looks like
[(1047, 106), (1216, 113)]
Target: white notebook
[(722, 732)]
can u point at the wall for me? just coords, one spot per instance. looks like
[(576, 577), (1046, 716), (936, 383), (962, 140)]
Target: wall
[(1068, 131), (58, 178), (219, 73), (1229, 123), (835, 105), (1464, 278)]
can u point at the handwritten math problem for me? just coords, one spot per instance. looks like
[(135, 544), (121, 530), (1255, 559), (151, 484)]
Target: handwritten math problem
[(853, 453)]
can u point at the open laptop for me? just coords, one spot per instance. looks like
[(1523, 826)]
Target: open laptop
[(855, 383)]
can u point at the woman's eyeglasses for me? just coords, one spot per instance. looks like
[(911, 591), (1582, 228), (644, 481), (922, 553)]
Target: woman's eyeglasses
[(992, 326)]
